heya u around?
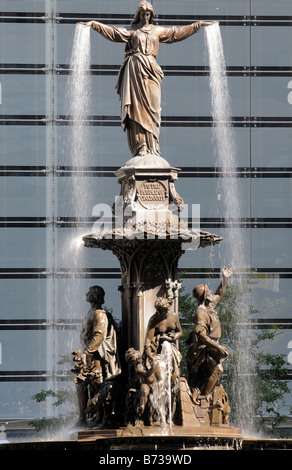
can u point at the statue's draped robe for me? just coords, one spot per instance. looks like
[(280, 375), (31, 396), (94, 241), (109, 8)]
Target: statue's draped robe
[(139, 79), (99, 339), (206, 321)]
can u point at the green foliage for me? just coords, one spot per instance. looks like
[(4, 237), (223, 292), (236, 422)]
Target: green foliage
[(270, 385), (49, 426), (65, 398), (62, 396), (187, 307)]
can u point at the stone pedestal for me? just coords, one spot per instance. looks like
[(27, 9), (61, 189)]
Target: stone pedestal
[(148, 237)]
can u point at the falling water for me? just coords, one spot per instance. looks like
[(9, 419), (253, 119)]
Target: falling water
[(78, 100), (77, 148), (79, 105), (70, 295), (161, 398), (228, 194)]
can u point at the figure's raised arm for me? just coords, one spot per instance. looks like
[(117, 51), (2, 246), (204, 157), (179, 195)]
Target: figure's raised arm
[(226, 274), (112, 33), (179, 33)]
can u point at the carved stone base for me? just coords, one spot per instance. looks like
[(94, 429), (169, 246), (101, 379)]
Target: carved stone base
[(148, 237), (197, 410)]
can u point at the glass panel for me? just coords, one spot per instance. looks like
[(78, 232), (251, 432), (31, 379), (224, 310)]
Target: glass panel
[(200, 7), (272, 295), (187, 7), (271, 248), (269, 96), (23, 94), (206, 192), (286, 407), (103, 6), (109, 146), (22, 43), (23, 196), (32, 345), (266, 44), (271, 147), (271, 197), (23, 248), (23, 145), (271, 8), (190, 96), (193, 146), (23, 6), (91, 191), (23, 298)]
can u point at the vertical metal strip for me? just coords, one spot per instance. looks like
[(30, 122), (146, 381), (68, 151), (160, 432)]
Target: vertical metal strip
[(51, 198)]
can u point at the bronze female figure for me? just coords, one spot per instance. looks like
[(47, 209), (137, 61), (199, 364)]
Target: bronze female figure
[(140, 76)]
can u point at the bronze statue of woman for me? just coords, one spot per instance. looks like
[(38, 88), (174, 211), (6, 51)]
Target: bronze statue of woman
[(140, 76)]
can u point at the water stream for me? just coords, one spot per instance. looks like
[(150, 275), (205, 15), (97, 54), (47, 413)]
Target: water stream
[(77, 149), (79, 104), (235, 247), (161, 398)]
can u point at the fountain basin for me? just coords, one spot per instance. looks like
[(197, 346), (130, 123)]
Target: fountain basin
[(153, 438)]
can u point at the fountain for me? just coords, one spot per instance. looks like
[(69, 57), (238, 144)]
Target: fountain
[(142, 399), (131, 393)]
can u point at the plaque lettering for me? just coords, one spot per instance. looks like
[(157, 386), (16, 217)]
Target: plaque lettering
[(152, 193)]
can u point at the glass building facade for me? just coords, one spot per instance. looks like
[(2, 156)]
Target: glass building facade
[(43, 280)]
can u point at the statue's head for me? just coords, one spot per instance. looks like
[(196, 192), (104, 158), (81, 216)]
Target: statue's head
[(144, 6), (200, 292), (162, 304), (95, 296), (132, 356)]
